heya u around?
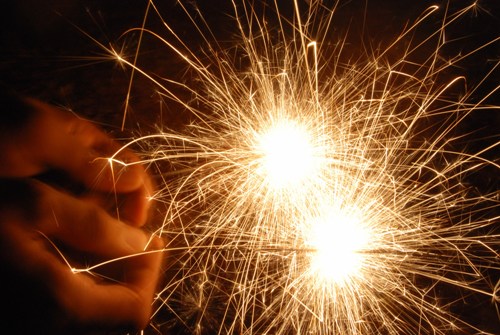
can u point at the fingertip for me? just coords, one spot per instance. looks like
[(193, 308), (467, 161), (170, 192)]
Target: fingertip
[(128, 170), (110, 174), (139, 240), (156, 243), (135, 238), (134, 208)]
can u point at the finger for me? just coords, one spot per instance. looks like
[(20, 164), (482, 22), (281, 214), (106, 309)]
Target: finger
[(57, 139), (87, 153), (131, 208), (128, 302), (84, 298), (84, 226), (134, 206)]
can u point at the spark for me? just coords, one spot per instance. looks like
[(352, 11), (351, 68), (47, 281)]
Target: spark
[(338, 240), (314, 196), (288, 155)]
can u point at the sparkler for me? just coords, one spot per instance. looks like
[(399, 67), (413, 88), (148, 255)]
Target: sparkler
[(313, 196)]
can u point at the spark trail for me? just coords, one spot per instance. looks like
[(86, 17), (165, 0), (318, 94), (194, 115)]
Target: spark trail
[(314, 196)]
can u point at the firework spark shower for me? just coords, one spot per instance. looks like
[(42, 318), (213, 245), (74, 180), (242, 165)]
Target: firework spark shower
[(311, 195), (319, 186)]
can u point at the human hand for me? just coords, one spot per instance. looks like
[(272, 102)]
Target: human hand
[(65, 204)]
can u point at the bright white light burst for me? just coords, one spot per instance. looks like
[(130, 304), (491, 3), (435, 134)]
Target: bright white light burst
[(288, 155), (338, 240)]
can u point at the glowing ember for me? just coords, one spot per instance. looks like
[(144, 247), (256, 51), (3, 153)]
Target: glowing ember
[(339, 240), (288, 155)]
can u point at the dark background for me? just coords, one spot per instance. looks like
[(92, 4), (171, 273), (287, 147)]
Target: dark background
[(47, 51)]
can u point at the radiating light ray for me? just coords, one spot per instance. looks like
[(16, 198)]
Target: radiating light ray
[(315, 196)]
